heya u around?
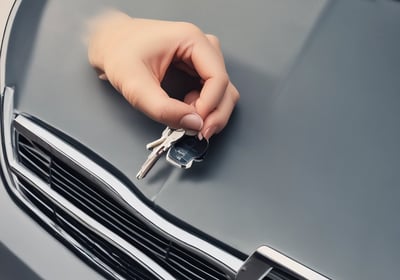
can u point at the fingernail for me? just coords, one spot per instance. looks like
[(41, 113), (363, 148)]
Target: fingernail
[(191, 132), (209, 132), (192, 121), (200, 136)]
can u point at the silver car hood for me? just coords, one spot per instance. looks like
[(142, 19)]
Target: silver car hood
[(293, 169)]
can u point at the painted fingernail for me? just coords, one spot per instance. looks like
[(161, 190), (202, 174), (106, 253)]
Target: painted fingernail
[(209, 132), (192, 121)]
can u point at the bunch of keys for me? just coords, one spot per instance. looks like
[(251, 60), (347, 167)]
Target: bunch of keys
[(182, 150)]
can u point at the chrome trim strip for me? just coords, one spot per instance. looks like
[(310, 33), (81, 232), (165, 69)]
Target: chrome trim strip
[(290, 264), (139, 208), (65, 235), (90, 223), (4, 43), (6, 148), (7, 105)]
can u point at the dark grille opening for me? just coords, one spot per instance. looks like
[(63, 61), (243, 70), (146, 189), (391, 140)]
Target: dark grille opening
[(95, 245), (36, 198), (91, 198), (33, 156)]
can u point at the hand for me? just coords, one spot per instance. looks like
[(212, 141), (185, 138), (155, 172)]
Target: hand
[(134, 55)]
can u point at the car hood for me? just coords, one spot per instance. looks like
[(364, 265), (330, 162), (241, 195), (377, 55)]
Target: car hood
[(288, 171)]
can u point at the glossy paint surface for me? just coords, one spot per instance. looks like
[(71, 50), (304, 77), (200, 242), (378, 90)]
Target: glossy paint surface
[(309, 162)]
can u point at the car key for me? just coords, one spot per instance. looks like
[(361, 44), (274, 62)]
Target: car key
[(166, 132), (158, 150), (188, 149)]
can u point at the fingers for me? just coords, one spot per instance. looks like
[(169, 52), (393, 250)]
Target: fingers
[(210, 66), (145, 94), (134, 55), (218, 118)]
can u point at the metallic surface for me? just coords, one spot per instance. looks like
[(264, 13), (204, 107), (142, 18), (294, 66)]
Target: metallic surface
[(123, 194), (159, 150), (324, 190)]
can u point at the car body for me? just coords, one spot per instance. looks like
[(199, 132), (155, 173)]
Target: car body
[(303, 183)]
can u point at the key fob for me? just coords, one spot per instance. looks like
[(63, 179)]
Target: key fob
[(187, 150)]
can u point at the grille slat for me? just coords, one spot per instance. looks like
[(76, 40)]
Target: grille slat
[(207, 272), (99, 197), (39, 200), (90, 197), (104, 251), (34, 149), (105, 218), (101, 250), (32, 158), (109, 217)]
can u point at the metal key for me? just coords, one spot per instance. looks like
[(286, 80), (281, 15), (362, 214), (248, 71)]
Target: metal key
[(166, 132), (158, 150)]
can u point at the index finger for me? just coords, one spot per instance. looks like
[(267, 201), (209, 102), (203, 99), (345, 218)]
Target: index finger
[(210, 66)]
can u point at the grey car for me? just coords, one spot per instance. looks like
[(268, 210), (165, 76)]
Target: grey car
[(303, 183)]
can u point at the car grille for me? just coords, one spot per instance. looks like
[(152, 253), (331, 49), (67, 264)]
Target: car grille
[(87, 194), (108, 254)]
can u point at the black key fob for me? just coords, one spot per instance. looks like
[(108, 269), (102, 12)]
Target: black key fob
[(187, 150)]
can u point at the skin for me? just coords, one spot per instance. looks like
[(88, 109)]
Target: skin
[(134, 54)]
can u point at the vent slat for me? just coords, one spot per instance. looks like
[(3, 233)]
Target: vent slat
[(102, 249), (67, 175), (109, 213), (41, 157), (184, 257), (34, 165), (125, 268), (106, 219), (36, 198), (92, 198), (204, 272), (34, 149)]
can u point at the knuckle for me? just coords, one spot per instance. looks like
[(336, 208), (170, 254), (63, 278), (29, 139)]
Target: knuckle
[(235, 95), (224, 79), (213, 40), (189, 28)]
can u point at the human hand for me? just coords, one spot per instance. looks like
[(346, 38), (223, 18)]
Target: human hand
[(134, 55)]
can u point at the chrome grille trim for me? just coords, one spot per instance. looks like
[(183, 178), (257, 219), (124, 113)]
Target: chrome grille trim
[(9, 165), (289, 264), (90, 223), (125, 196), (65, 235), (4, 41), (267, 264)]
